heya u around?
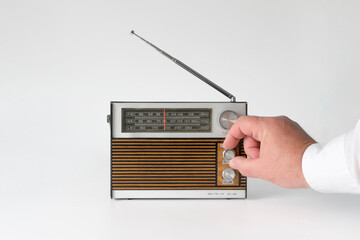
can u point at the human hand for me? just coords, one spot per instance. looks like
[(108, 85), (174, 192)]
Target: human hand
[(274, 146)]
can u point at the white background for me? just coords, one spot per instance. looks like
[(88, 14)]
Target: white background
[(62, 62)]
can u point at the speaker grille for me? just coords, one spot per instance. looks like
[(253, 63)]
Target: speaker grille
[(164, 163)]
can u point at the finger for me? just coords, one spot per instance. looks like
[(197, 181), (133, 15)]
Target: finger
[(251, 147), (247, 167), (244, 126)]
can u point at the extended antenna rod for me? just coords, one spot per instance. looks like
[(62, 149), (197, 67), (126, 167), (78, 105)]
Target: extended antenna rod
[(190, 70)]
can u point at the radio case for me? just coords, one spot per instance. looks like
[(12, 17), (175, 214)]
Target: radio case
[(156, 153), (174, 149)]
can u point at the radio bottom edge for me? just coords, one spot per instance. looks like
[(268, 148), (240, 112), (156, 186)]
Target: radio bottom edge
[(178, 194)]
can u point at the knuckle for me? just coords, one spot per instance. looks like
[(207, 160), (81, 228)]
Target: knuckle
[(283, 117), (278, 121), (272, 120)]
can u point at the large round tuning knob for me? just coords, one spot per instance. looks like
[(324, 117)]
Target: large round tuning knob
[(227, 119), (228, 174)]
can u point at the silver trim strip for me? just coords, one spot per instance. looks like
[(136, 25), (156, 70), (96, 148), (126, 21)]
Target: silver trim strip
[(146, 194)]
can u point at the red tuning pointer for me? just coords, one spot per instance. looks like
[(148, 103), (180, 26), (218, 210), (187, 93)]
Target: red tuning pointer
[(164, 120)]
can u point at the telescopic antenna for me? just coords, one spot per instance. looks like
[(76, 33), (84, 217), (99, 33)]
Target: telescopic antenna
[(190, 70)]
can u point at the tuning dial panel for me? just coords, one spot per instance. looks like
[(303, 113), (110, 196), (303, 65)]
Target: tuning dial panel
[(227, 119)]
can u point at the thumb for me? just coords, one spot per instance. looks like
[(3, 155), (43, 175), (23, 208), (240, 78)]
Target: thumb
[(247, 166), (245, 126)]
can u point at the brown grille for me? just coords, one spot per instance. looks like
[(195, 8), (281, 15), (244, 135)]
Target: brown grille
[(164, 163)]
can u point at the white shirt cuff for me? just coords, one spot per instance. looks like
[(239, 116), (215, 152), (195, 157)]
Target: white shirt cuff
[(326, 169)]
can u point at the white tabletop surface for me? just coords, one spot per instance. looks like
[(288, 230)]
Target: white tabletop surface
[(269, 212), (62, 62)]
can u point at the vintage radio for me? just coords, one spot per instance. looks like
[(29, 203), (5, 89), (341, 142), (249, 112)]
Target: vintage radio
[(174, 149)]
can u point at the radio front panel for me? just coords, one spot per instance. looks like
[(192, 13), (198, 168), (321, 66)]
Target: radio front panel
[(173, 150)]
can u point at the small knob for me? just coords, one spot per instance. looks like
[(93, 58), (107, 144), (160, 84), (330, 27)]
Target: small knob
[(227, 119), (228, 174), (228, 154)]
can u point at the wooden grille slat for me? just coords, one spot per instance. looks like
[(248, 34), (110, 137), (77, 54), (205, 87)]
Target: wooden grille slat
[(165, 153), (119, 180), (161, 158), (174, 187), (165, 184), (164, 175), (167, 140), (162, 144), (160, 177), (162, 162), (120, 160), (146, 150), (160, 165), (164, 181), (165, 168), (164, 172), (163, 147)]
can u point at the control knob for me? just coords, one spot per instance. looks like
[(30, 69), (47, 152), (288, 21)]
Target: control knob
[(228, 174), (227, 119), (228, 154)]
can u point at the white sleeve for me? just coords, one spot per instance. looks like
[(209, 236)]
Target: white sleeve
[(334, 167)]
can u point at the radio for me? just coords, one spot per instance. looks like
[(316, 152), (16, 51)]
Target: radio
[(174, 149)]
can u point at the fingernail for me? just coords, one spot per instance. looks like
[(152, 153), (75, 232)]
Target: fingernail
[(232, 163)]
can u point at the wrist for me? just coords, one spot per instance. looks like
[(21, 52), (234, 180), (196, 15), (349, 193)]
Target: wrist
[(305, 183)]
